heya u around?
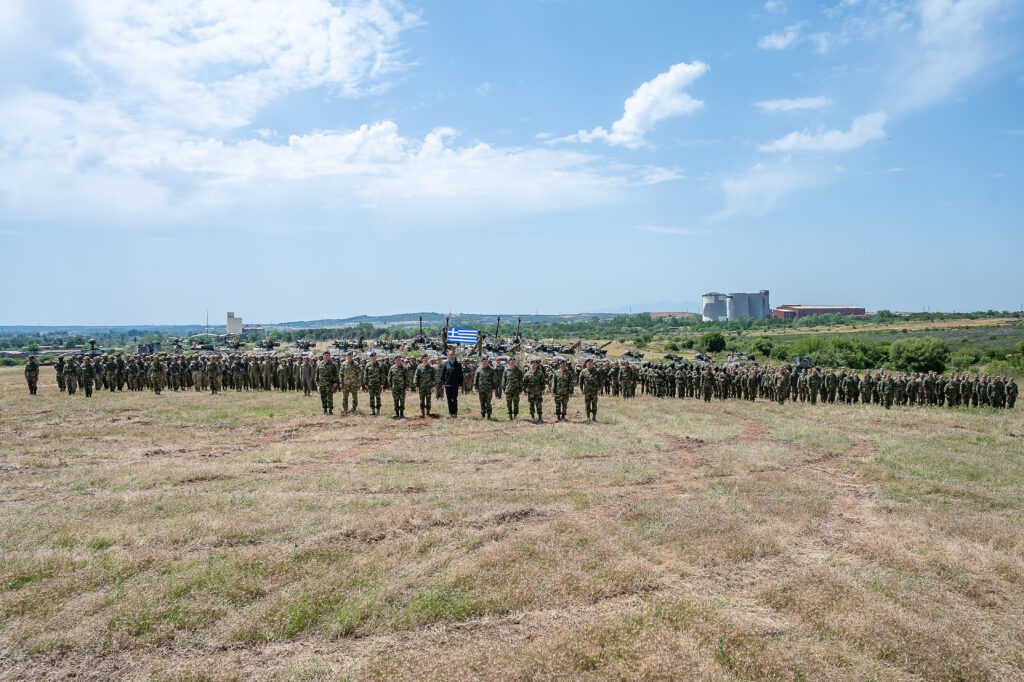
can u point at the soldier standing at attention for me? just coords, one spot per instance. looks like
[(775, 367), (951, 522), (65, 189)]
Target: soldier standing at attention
[(438, 388), (351, 376), (156, 375), (32, 374), (424, 380), (326, 380), (60, 373), (71, 377), (373, 379), (499, 373), (534, 383), (305, 376), (213, 375), (88, 375), (512, 384), (562, 388), (484, 382), (590, 382), (399, 383)]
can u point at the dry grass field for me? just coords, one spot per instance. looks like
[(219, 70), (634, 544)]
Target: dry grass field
[(189, 536)]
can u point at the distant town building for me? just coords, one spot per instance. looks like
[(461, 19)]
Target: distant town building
[(234, 324), (753, 306), (714, 307), (790, 312), (718, 307)]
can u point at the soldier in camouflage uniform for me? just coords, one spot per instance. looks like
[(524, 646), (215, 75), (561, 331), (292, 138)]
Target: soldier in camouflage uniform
[(351, 378), (32, 374), (373, 380), (424, 381), (562, 387), (399, 380), (512, 381), (590, 384), (534, 383), (88, 376), (484, 381), (61, 386), (326, 379)]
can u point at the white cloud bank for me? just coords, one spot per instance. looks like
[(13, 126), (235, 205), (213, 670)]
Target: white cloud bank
[(800, 103), (657, 99), (154, 133), (866, 128), (782, 40)]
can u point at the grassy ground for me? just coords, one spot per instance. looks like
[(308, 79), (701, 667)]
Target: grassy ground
[(190, 536)]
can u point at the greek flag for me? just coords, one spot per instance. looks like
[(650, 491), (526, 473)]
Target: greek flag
[(462, 335)]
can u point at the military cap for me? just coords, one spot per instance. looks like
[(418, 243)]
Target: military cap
[(373, 353)]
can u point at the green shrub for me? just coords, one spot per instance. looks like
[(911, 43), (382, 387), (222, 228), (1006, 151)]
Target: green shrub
[(762, 345), (671, 345), (712, 342), (687, 343), (962, 361), (919, 355)]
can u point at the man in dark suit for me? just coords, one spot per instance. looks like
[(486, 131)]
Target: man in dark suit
[(451, 379)]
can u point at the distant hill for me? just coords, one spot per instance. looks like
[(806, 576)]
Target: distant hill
[(655, 307), (437, 320)]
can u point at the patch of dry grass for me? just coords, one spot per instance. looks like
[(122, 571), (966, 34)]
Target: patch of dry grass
[(191, 536)]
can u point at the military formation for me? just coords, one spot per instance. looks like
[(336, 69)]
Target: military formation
[(827, 386), (351, 375)]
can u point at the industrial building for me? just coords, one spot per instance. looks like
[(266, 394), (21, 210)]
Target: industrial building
[(713, 307), (716, 307), (790, 312), (753, 306), (234, 324)]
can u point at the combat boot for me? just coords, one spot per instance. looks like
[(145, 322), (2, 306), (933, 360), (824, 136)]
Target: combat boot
[(330, 410)]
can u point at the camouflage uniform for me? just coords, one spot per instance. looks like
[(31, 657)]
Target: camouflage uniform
[(373, 380), (398, 378), (351, 376), (484, 381), (424, 381), (32, 374), (534, 382), (326, 380), (562, 388), (512, 383), (590, 383)]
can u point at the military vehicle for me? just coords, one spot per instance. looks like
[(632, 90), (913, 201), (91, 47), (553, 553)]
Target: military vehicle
[(633, 355), (303, 344), (267, 344)]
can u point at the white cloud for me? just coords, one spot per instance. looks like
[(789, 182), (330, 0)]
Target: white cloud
[(655, 100), (214, 64), (663, 229), (955, 41), (61, 159), (775, 6), (484, 89), (784, 40), (150, 137), (759, 190), (794, 104), (866, 128)]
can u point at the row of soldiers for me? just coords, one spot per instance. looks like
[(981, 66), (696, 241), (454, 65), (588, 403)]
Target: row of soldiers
[(828, 386), (240, 373), (424, 377)]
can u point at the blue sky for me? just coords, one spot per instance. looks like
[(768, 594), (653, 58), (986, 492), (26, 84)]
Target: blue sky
[(302, 159)]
